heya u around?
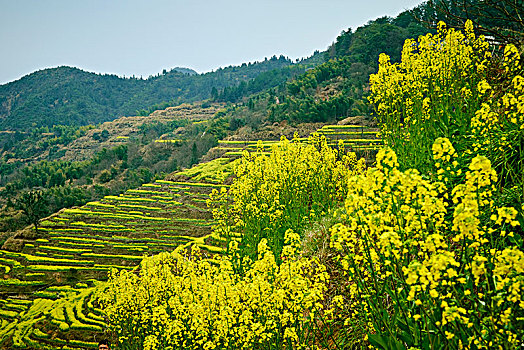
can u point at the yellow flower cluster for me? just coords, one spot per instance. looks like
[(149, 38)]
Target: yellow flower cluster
[(428, 259), (498, 125), (445, 157), (284, 189), (448, 86), (422, 258), (432, 92), (188, 302)]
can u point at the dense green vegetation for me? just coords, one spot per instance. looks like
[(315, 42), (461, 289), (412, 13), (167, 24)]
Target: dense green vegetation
[(127, 164), (70, 96), (335, 89), (266, 80), (61, 265)]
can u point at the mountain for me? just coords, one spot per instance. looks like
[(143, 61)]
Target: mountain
[(184, 70), (71, 96)]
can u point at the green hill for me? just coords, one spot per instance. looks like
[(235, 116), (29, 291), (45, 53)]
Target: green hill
[(73, 165), (70, 96)]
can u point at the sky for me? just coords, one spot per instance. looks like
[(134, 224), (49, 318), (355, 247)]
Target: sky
[(143, 37)]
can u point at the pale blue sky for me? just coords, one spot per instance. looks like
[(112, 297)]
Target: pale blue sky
[(139, 37)]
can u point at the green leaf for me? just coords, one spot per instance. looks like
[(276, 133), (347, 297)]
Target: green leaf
[(407, 331), (387, 342), (516, 240), (407, 338)]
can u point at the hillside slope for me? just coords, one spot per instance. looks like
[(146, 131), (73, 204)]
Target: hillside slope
[(46, 295), (72, 168), (70, 96)]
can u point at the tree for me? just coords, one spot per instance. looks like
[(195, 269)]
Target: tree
[(194, 154), (502, 20), (57, 178), (377, 37), (33, 205)]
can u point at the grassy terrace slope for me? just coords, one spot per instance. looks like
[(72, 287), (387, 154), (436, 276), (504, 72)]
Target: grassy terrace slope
[(103, 160), (52, 279), (123, 129), (355, 138), (46, 290)]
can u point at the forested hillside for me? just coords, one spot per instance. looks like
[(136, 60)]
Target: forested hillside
[(337, 88), (70, 96), (87, 163)]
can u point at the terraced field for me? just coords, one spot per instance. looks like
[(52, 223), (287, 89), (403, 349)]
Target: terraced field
[(49, 284), (47, 287), (124, 129), (355, 138)]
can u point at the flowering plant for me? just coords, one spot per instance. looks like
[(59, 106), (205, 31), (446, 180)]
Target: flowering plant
[(430, 266)]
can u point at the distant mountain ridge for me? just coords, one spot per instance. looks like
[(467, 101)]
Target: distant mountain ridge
[(184, 70), (71, 96)]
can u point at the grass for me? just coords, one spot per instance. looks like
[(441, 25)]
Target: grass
[(98, 204), (20, 283), (146, 192), (136, 206), (113, 215), (342, 127), (64, 268), (240, 153), (13, 263), (163, 197), (15, 307), (20, 301), (97, 239), (84, 224), (152, 185), (346, 141), (224, 142), (113, 256), (330, 132), (7, 330), (192, 184), (37, 259), (35, 274), (135, 199), (178, 188), (39, 334), (49, 229), (131, 247), (169, 141), (66, 250)]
